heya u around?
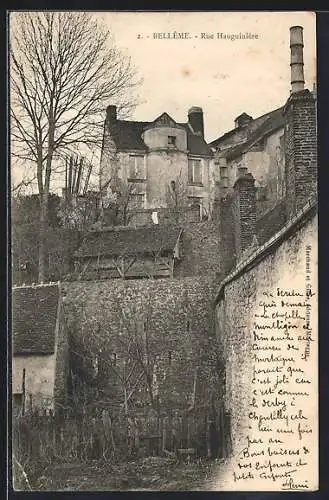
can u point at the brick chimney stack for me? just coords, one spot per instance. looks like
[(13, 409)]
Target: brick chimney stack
[(244, 212), (300, 135), (227, 238)]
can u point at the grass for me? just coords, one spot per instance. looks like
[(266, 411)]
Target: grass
[(150, 473)]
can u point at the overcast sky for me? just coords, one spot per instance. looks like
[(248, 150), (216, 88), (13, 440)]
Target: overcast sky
[(224, 77)]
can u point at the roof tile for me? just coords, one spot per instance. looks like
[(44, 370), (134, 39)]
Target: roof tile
[(256, 130), (129, 241), (127, 135), (34, 316)]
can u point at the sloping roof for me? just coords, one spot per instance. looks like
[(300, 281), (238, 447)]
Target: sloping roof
[(196, 144), (271, 222), (34, 316), (127, 135), (255, 130), (274, 121), (129, 241)]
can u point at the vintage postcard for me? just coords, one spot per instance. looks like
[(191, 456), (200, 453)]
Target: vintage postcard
[(164, 251)]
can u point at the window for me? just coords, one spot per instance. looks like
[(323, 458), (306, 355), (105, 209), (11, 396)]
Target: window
[(261, 193), (194, 201), (223, 172), (136, 201), (136, 167), (171, 140), (194, 172)]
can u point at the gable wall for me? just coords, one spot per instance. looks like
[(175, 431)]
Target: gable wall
[(39, 379)]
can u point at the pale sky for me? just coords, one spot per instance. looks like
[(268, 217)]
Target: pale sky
[(224, 77)]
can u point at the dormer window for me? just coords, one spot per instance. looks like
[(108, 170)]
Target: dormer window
[(171, 140)]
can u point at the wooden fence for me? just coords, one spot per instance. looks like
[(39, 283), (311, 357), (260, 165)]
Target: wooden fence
[(66, 438)]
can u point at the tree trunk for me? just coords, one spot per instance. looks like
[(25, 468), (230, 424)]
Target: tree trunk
[(42, 241), (44, 194)]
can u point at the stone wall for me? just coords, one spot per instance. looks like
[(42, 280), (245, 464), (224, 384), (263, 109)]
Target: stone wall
[(62, 360), (180, 215), (235, 311), (168, 324), (201, 247)]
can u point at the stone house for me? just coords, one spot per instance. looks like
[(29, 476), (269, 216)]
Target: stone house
[(168, 163), (40, 348), (256, 145)]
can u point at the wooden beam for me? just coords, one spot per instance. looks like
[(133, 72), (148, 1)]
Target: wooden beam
[(176, 253), (130, 263), (85, 189), (119, 266)]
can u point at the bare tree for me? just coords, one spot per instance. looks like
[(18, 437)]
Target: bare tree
[(176, 196), (63, 73), (118, 197), (177, 192)]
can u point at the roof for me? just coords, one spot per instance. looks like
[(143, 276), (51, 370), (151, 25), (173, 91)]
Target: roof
[(129, 241), (243, 115), (34, 316), (274, 121), (255, 130), (196, 144), (127, 135)]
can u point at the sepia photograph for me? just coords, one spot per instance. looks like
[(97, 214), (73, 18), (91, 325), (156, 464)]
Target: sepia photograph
[(164, 251)]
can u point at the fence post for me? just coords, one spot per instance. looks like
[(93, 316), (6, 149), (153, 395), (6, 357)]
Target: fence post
[(163, 434), (208, 437)]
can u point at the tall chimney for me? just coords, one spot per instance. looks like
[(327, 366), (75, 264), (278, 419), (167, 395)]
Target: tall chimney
[(111, 113), (296, 59), (195, 118), (300, 133)]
